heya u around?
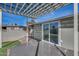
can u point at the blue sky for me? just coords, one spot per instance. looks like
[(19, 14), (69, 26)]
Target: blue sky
[(21, 20)]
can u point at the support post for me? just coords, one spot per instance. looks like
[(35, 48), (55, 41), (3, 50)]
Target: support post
[(75, 29), (27, 34), (42, 33), (59, 34), (0, 28), (49, 32)]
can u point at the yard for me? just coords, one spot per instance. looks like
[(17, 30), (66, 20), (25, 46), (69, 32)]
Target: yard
[(7, 45)]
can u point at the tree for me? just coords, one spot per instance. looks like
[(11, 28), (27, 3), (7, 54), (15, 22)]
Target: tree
[(15, 24)]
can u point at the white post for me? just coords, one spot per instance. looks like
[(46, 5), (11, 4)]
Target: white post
[(8, 52), (59, 34), (0, 27), (27, 34), (49, 32), (27, 39), (42, 33), (75, 29)]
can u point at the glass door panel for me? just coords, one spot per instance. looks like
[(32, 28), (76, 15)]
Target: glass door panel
[(54, 32), (46, 32)]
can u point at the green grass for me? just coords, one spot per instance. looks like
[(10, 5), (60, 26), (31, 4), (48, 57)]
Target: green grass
[(3, 52), (6, 45)]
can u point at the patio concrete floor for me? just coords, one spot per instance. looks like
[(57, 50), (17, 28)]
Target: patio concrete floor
[(45, 49)]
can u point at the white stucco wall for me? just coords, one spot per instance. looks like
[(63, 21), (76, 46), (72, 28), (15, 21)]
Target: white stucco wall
[(67, 36)]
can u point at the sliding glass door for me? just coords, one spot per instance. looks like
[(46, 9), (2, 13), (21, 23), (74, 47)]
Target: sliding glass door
[(50, 32)]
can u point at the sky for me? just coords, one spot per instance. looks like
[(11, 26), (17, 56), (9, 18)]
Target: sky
[(8, 19)]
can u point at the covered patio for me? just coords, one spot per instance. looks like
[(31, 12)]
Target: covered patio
[(50, 38)]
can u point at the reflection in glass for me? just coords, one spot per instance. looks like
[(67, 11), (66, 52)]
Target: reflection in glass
[(54, 32), (46, 32)]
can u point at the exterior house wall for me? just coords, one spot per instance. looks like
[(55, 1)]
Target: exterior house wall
[(37, 31), (67, 33), (67, 36), (8, 28)]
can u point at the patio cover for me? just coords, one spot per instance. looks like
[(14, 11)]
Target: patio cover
[(31, 10)]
